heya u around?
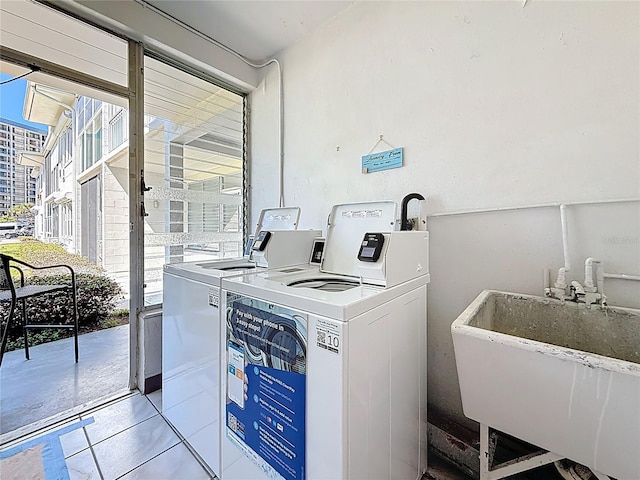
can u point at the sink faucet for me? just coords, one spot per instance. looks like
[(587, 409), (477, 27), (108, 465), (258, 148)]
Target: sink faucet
[(559, 289), (594, 292), (591, 294), (576, 292)]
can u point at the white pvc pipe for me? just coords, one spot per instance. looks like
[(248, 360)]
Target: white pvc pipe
[(539, 205), (565, 237), (561, 281), (588, 274), (565, 242), (622, 276)]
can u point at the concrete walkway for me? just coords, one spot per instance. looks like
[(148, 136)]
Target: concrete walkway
[(51, 382)]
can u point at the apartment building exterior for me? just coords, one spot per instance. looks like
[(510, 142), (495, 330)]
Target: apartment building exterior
[(81, 184), (193, 209), (17, 186)]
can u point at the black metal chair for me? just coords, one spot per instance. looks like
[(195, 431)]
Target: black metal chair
[(9, 292)]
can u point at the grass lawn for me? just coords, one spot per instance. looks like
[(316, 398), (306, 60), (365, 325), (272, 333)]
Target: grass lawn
[(40, 254)]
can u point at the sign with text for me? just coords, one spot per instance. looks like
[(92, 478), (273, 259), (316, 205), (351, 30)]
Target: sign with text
[(375, 162), (266, 386)]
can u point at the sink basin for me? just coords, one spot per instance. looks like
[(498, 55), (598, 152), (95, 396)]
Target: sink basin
[(558, 375)]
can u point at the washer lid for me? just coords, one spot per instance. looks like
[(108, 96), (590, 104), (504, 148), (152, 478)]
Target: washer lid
[(346, 227), (285, 218)]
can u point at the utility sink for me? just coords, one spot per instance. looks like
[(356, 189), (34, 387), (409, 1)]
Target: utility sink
[(558, 375)]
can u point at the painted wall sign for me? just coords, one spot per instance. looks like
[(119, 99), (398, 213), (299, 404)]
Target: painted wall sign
[(375, 162), (266, 386)]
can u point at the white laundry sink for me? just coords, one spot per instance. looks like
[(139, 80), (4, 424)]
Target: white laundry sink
[(558, 375)]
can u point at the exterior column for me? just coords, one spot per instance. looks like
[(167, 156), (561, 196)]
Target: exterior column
[(175, 213)]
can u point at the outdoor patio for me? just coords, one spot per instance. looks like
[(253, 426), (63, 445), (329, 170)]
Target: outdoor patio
[(51, 382)]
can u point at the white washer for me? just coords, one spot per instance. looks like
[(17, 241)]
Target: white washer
[(191, 329), (325, 375)]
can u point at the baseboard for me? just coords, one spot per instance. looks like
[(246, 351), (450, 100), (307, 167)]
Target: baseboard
[(152, 384)]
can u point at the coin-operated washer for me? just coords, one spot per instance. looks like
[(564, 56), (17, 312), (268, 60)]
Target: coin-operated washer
[(191, 326), (325, 371)]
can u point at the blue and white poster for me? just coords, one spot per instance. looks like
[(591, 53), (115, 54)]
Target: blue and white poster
[(266, 385)]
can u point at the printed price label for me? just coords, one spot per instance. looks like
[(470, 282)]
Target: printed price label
[(214, 297), (328, 336)]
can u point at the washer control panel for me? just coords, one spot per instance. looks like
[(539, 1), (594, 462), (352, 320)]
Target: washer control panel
[(371, 247), (261, 241)]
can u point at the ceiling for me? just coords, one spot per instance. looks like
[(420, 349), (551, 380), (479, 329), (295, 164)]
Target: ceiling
[(255, 29)]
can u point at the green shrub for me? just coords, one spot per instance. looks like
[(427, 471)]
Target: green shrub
[(120, 312), (96, 296), (111, 322), (36, 337)]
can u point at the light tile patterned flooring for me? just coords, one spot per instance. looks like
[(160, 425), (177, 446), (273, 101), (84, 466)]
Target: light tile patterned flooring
[(128, 439)]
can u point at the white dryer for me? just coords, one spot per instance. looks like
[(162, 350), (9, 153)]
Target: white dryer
[(191, 327), (325, 371)]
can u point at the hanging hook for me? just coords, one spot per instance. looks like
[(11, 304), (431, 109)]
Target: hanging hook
[(404, 221), (380, 139)]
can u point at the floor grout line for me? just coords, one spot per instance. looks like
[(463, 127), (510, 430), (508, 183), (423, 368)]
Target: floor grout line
[(122, 431), (110, 402), (147, 461), (180, 440), (159, 410), (93, 454), (195, 454)]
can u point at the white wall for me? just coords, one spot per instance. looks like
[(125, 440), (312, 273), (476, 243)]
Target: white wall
[(116, 221), (496, 105)]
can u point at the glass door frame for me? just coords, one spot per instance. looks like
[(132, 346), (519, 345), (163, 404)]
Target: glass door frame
[(134, 92)]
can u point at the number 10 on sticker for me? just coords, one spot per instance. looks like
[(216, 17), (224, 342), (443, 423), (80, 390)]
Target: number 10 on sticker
[(328, 337)]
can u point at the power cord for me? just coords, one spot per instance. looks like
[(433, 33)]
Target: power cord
[(34, 68)]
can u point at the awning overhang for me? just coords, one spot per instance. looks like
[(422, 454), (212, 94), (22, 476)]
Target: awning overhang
[(46, 105), (30, 159)]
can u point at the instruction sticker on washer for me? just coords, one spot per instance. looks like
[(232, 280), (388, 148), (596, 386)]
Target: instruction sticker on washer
[(266, 385), (328, 336), (214, 297)]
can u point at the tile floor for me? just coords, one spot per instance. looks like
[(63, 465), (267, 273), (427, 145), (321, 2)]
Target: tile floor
[(126, 439)]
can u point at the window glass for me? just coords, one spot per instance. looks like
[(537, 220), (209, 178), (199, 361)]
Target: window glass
[(88, 109), (193, 159), (97, 142)]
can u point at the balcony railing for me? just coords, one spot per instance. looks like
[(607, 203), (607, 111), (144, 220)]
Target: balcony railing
[(118, 130)]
